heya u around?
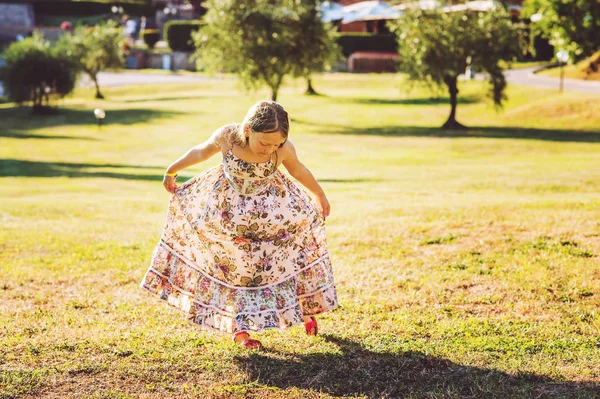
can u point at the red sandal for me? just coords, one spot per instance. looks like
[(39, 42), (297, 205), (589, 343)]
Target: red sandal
[(311, 327), (247, 342)]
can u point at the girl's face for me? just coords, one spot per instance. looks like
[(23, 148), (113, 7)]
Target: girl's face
[(264, 144)]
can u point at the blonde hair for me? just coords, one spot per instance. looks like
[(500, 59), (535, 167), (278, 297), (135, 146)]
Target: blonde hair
[(262, 117)]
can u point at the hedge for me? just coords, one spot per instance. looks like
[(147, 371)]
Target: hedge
[(353, 42), (150, 37), (178, 34)]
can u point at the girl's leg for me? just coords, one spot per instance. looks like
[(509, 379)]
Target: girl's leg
[(243, 338)]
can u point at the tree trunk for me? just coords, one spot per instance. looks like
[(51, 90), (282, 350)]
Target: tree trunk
[(275, 90), (98, 94), (310, 89), (451, 123), (37, 104), (275, 87)]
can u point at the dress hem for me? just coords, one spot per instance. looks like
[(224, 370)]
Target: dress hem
[(211, 328), (230, 314)]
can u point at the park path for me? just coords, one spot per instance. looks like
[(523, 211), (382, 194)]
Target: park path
[(524, 77)]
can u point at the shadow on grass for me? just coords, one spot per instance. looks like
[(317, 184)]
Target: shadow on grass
[(411, 101), (17, 122), (559, 135), (20, 168), (17, 135), (357, 371), (166, 98)]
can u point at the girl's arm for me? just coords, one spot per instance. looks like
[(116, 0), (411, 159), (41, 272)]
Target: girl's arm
[(303, 175), (194, 155)]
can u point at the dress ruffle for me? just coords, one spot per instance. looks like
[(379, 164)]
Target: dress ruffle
[(209, 302)]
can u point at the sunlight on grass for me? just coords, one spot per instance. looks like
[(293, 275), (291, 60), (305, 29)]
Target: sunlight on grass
[(466, 262)]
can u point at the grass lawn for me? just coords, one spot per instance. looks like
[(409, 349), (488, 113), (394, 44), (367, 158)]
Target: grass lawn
[(467, 263)]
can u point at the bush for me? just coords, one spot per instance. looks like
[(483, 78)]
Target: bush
[(151, 37), (178, 34), (36, 72), (353, 42)]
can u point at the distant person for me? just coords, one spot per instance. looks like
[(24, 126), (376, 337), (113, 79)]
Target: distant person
[(130, 29), (244, 248), (143, 27)]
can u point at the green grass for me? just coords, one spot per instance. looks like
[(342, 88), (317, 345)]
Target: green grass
[(466, 262)]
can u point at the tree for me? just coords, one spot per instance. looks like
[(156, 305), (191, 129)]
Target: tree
[(571, 25), (318, 49), (36, 72), (262, 41), (95, 49), (436, 47)]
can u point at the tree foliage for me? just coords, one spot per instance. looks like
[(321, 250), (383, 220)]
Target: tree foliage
[(263, 41), (436, 47), (317, 44), (95, 49), (571, 25), (36, 72)]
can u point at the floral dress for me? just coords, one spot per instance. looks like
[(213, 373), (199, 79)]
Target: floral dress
[(243, 249)]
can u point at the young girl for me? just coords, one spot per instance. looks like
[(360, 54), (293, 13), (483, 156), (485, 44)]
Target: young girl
[(243, 248)]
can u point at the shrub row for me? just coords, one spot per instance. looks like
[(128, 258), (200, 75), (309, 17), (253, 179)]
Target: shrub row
[(355, 42)]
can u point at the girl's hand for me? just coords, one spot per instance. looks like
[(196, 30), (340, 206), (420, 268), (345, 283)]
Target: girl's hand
[(169, 184), (324, 204)]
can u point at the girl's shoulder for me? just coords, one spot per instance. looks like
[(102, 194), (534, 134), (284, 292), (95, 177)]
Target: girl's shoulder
[(225, 136), (287, 150)]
